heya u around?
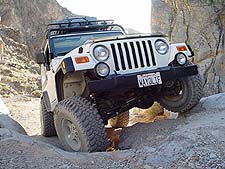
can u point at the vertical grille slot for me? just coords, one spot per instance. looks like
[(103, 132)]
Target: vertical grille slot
[(140, 54), (134, 54), (121, 56), (146, 53), (128, 55), (115, 57), (152, 53)]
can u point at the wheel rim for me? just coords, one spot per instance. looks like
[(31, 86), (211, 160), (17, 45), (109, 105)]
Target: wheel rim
[(71, 135), (178, 92)]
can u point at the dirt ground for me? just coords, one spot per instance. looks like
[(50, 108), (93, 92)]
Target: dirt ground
[(25, 110), (194, 140)]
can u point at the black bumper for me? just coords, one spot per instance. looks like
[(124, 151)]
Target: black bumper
[(130, 80)]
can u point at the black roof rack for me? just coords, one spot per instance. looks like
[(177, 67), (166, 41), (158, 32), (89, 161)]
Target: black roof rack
[(79, 24), (76, 24), (80, 21)]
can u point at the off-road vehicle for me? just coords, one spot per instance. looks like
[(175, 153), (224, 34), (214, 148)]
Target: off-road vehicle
[(92, 71)]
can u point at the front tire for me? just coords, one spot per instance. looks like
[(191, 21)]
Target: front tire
[(184, 95), (79, 126), (47, 121)]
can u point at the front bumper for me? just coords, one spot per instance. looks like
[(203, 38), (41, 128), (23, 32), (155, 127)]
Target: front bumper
[(130, 80)]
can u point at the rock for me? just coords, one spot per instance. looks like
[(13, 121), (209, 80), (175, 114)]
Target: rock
[(22, 31), (192, 141), (16, 74), (7, 122), (200, 24), (36, 93), (149, 149), (213, 102), (213, 156), (30, 18)]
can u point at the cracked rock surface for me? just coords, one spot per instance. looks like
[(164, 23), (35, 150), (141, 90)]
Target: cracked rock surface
[(202, 25)]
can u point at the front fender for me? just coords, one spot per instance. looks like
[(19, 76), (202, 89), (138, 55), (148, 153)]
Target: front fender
[(174, 51), (69, 64)]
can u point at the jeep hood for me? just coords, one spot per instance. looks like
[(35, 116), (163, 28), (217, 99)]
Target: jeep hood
[(131, 36)]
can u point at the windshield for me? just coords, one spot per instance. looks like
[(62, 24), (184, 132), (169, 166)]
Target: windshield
[(64, 44)]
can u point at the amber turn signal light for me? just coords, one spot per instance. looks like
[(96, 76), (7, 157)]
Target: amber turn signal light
[(83, 59), (181, 48)]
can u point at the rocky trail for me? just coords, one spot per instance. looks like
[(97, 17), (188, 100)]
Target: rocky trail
[(194, 140)]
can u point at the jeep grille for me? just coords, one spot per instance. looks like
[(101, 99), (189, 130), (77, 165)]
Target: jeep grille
[(133, 55)]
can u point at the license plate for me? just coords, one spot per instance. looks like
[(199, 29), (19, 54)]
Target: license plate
[(149, 79)]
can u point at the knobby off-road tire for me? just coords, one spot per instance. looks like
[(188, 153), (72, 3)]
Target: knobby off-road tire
[(47, 121), (120, 121), (79, 126), (191, 88)]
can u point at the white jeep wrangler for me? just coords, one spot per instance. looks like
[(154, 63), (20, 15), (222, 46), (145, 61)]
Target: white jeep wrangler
[(92, 71)]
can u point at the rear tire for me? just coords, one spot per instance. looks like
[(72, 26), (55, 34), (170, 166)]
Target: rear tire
[(187, 96), (47, 121), (120, 121), (79, 126)]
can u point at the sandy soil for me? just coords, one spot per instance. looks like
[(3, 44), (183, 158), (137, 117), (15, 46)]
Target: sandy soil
[(25, 110)]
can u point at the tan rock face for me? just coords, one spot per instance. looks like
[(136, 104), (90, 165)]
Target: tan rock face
[(202, 25), (30, 18), (18, 73), (22, 29), (1, 47)]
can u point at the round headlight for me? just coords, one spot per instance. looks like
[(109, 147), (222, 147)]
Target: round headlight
[(161, 47), (101, 53), (102, 69), (181, 59)]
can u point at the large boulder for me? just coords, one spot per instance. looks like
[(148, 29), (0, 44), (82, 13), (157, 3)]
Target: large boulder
[(202, 25)]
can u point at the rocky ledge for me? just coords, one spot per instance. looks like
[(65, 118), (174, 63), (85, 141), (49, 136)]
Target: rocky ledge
[(194, 140)]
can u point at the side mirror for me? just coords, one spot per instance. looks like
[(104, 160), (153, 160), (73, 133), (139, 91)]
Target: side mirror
[(40, 58)]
